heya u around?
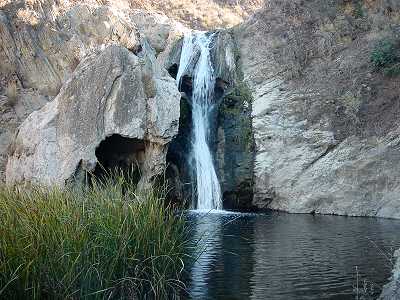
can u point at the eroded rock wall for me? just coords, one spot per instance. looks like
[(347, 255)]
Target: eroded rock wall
[(202, 14), (234, 134), (325, 120), (106, 95), (43, 42)]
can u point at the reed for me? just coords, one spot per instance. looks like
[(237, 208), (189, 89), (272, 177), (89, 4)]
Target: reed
[(104, 241)]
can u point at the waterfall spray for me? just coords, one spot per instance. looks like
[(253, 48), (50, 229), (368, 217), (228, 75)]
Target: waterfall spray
[(197, 47)]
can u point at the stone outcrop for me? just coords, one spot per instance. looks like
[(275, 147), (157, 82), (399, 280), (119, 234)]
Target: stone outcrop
[(43, 42), (325, 120), (113, 92), (11, 115), (44, 48)]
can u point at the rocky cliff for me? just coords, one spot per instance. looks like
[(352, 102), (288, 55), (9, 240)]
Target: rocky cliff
[(324, 81), (112, 96), (308, 98), (307, 118), (96, 67)]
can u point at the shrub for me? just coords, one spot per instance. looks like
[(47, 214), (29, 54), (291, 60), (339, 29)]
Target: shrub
[(392, 71), (358, 12), (107, 241), (385, 54)]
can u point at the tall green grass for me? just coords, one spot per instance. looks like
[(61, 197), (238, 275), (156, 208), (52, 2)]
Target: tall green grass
[(106, 241)]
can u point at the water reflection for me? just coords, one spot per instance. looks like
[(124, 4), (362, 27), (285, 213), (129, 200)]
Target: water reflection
[(210, 234), (281, 256), (221, 265)]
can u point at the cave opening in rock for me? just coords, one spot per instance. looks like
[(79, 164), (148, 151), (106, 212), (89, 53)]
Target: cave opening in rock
[(118, 153), (173, 70)]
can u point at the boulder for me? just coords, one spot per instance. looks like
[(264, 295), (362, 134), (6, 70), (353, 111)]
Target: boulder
[(113, 92), (158, 29), (44, 41)]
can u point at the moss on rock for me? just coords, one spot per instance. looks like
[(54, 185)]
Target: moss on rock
[(235, 124)]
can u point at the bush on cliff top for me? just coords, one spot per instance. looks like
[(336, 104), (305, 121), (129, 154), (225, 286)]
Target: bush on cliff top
[(106, 241), (386, 57)]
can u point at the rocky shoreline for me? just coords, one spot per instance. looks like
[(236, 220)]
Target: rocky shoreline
[(392, 289)]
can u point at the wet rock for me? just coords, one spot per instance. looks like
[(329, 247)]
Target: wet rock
[(231, 138), (235, 148)]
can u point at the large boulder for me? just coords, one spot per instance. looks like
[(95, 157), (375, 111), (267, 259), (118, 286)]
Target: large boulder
[(158, 29), (42, 42), (325, 121), (110, 93)]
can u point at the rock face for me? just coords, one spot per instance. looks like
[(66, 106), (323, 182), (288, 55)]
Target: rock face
[(111, 93), (324, 117), (11, 115), (325, 120), (43, 42), (392, 289), (234, 135)]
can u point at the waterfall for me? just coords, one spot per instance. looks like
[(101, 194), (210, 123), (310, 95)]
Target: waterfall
[(196, 61)]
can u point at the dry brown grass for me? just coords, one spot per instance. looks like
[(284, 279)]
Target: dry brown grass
[(202, 14), (199, 14)]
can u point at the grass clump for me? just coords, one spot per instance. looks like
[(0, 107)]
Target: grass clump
[(386, 57), (107, 241)]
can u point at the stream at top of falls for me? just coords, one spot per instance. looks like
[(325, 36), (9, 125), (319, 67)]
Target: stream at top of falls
[(284, 256), (196, 54)]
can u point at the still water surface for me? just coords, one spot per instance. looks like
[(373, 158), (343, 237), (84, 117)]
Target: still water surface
[(284, 256)]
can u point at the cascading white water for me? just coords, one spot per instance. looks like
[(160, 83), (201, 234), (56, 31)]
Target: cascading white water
[(197, 47)]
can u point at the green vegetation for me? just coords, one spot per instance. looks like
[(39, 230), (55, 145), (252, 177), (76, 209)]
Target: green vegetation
[(392, 71), (386, 57), (234, 106), (241, 93), (106, 241), (358, 10)]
